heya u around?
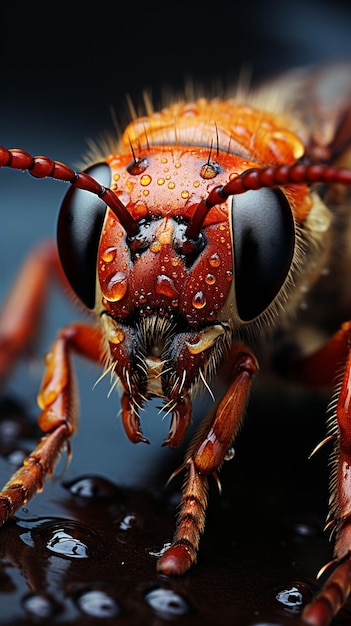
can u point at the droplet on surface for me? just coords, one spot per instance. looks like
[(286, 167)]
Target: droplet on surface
[(167, 603), (294, 597), (67, 539), (215, 260), (39, 606), (99, 604), (199, 300), (116, 287), (92, 487)]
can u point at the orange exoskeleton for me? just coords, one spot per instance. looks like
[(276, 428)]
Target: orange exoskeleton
[(198, 236)]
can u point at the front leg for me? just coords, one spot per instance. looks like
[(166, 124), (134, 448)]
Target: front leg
[(58, 419), (205, 457)]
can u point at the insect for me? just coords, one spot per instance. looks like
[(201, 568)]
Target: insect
[(197, 242)]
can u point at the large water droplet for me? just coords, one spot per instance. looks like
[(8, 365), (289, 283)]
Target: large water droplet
[(67, 539)]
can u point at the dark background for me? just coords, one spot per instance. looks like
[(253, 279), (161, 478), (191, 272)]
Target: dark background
[(62, 68)]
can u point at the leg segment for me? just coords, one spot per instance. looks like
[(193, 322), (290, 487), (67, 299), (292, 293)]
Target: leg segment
[(337, 587), (21, 312), (58, 418), (205, 457)]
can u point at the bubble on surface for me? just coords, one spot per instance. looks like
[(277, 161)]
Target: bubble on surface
[(97, 603), (65, 538), (167, 603), (92, 487), (39, 606), (293, 598)]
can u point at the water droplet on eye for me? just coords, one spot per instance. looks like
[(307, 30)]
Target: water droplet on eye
[(199, 300), (97, 603), (215, 260), (92, 487), (167, 603), (40, 606)]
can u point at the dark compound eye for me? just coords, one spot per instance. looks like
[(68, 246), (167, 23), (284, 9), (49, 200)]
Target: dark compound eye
[(78, 234), (263, 238)]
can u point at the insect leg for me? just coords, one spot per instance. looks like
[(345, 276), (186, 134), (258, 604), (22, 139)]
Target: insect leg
[(205, 457), (58, 419), (20, 315), (337, 587)]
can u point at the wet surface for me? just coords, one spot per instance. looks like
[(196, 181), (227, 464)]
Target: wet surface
[(84, 550)]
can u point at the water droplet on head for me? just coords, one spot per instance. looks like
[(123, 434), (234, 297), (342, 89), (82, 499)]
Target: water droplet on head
[(167, 603), (215, 260), (116, 287), (145, 180), (97, 603), (210, 279), (199, 300)]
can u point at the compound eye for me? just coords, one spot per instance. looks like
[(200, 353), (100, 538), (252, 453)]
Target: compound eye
[(79, 229), (264, 239)]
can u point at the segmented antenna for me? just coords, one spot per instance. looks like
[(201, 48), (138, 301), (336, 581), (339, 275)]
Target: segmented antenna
[(44, 167), (256, 178)]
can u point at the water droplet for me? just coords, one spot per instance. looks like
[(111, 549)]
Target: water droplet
[(109, 254), (116, 288), (210, 279), (131, 521), (167, 603), (160, 181), (92, 487), (196, 183), (64, 544), (40, 606), (185, 194), (157, 552), (215, 260), (171, 185), (99, 604), (199, 300), (294, 597), (116, 335), (165, 287), (145, 180), (230, 454), (69, 539)]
